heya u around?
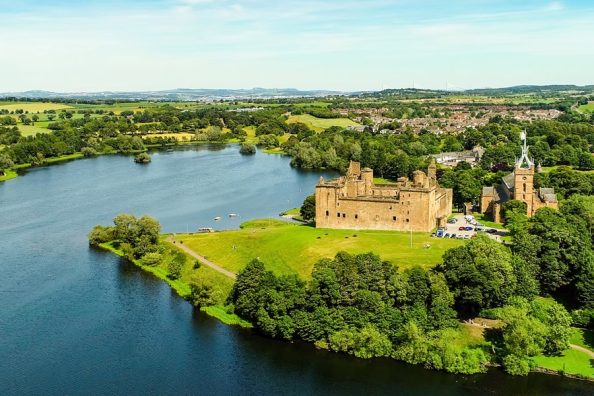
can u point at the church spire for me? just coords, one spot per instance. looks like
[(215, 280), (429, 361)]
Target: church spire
[(524, 162)]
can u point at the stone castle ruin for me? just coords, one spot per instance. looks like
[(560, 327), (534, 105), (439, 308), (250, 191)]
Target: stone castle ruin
[(354, 201)]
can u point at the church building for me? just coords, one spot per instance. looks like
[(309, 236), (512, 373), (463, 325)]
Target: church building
[(518, 185)]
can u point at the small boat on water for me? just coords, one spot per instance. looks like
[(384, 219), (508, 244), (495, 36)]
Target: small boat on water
[(217, 218), (233, 215)]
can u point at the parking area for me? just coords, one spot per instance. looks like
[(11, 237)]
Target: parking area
[(466, 227)]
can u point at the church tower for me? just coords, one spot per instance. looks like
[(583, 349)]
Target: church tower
[(524, 177)]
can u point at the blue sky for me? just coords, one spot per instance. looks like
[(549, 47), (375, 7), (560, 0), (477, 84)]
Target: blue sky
[(96, 45)]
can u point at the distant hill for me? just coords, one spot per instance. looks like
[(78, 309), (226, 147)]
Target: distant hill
[(208, 95), (412, 93), (181, 94)]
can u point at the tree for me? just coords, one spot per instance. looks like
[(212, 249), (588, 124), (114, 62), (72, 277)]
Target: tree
[(247, 149), (308, 209), (201, 294), (512, 207), (100, 234), (142, 158), (480, 274), (5, 162)]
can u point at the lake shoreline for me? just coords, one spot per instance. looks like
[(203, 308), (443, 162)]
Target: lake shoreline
[(220, 313)]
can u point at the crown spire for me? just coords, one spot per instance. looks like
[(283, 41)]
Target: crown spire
[(524, 162)]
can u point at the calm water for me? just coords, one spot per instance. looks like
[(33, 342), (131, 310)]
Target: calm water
[(74, 320)]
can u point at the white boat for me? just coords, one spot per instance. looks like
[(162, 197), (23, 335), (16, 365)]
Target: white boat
[(233, 215), (217, 218)]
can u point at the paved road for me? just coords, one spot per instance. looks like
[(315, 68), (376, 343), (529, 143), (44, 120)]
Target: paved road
[(202, 259)]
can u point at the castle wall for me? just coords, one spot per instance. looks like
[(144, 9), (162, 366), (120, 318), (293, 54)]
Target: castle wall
[(354, 202)]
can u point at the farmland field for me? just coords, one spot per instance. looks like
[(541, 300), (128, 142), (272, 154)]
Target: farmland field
[(320, 124), (33, 107)]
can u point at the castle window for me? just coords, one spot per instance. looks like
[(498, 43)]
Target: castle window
[(327, 213), (356, 216), (407, 220), (344, 215), (394, 218), (337, 214), (524, 187)]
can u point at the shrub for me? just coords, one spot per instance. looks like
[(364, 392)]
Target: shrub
[(151, 259), (88, 152), (100, 234), (247, 149)]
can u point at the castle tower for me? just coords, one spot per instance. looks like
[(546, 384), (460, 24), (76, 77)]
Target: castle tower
[(432, 173), (524, 177), (367, 177)]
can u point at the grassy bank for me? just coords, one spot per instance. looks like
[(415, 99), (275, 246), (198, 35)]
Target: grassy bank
[(289, 248), (8, 174), (221, 284), (572, 362)]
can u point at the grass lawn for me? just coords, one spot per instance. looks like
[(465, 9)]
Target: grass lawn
[(320, 124), (9, 174), (572, 362), (588, 108), (294, 211), (33, 107), (382, 180), (288, 248), (30, 130), (484, 219)]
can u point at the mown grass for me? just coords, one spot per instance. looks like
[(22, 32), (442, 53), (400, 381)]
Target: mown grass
[(288, 248), (31, 130), (320, 124), (571, 362), (485, 220), (294, 211), (8, 175)]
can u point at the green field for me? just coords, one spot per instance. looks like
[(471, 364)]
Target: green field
[(320, 124), (588, 108), (571, 362), (30, 130), (33, 107), (9, 174), (287, 248)]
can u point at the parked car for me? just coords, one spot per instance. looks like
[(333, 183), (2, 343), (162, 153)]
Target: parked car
[(467, 236), (479, 229), (446, 235), (453, 236), (452, 221), (461, 228), (469, 228), (492, 231)]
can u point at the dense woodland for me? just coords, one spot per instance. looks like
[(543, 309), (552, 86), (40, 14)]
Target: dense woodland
[(363, 306)]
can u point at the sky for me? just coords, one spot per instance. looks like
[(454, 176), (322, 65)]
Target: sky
[(347, 45)]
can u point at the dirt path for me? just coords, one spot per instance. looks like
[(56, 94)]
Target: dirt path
[(202, 259), (582, 349)]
